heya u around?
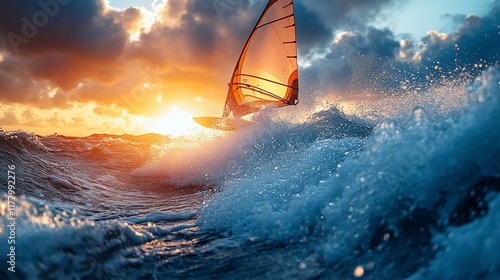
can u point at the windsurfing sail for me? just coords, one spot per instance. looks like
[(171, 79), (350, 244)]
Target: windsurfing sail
[(266, 72)]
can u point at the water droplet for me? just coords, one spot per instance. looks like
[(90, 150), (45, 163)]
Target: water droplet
[(419, 115), (359, 271)]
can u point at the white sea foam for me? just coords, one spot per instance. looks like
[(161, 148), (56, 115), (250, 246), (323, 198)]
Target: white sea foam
[(56, 244), (284, 183), (468, 252), (331, 190)]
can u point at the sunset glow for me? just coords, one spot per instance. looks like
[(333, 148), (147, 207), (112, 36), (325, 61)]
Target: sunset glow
[(176, 122), (165, 139), (140, 66)]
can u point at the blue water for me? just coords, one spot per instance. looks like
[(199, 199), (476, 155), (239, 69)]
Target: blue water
[(392, 192)]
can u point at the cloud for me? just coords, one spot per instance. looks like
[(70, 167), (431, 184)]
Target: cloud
[(9, 118), (52, 46), (476, 42), (374, 61), (347, 14), (313, 34), (83, 53), (74, 28), (65, 54)]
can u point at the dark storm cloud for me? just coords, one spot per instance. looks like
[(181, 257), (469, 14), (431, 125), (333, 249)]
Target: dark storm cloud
[(476, 42), (71, 27), (18, 86), (81, 52), (61, 43), (56, 52), (340, 14), (356, 63), (375, 61), (205, 32), (312, 34)]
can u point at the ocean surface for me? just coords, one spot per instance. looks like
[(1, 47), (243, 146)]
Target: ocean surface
[(397, 190)]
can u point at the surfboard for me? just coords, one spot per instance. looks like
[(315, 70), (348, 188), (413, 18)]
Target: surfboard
[(222, 123), (266, 73)]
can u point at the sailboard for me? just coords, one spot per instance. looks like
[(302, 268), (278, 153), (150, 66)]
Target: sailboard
[(266, 73)]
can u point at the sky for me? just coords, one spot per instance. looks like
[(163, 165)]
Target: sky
[(93, 66)]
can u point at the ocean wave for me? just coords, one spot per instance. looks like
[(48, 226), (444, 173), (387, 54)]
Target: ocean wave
[(244, 153), (371, 191), (52, 243), (22, 140), (317, 198)]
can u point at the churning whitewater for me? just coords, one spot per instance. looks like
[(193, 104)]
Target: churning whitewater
[(336, 196)]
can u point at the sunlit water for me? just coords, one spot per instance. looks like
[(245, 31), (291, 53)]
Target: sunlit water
[(411, 193)]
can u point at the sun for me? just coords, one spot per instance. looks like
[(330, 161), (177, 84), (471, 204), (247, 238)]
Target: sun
[(176, 122)]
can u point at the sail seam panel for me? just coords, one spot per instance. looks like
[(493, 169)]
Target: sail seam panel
[(267, 80), (271, 22), (262, 91)]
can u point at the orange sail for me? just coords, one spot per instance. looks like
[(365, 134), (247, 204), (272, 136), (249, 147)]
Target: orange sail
[(266, 72)]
